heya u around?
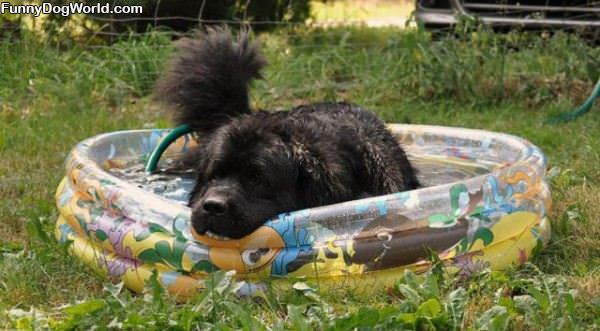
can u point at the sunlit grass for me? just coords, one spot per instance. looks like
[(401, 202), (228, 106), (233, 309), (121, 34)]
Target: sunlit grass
[(365, 10)]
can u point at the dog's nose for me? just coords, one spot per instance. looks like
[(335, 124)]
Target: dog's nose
[(215, 206)]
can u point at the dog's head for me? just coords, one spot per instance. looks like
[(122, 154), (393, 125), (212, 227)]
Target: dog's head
[(252, 169)]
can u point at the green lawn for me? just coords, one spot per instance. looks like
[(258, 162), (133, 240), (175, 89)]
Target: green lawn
[(50, 99)]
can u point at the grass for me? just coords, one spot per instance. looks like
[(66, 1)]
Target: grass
[(365, 10), (51, 98)]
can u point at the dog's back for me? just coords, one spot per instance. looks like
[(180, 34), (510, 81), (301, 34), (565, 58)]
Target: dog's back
[(387, 167)]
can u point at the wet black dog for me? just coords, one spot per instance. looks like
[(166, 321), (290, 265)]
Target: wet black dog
[(253, 165)]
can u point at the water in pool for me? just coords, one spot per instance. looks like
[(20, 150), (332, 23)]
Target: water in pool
[(177, 187)]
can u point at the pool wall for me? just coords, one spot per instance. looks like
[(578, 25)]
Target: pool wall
[(493, 220)]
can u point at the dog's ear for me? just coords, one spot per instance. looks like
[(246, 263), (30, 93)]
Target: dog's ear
[(321, 180), (207, 80)]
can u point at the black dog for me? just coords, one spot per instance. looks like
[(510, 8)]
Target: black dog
[(253, 165)]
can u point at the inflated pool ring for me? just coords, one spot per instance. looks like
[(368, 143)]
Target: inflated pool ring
[(490, 220)]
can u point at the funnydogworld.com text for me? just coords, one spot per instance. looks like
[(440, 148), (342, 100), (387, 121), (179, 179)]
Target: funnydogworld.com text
[(68, 9)]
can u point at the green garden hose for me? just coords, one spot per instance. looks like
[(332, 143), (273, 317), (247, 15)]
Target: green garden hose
[(164, 144), (584, 108)]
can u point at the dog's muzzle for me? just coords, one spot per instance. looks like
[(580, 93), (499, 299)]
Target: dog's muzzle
[(214, 210)]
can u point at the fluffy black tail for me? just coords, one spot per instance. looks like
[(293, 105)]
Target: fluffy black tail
[(207, 79)]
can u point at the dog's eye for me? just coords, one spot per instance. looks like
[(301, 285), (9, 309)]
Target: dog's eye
[(257, 180)]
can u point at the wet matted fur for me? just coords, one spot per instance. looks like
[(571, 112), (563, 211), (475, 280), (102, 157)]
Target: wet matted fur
[(252, 165)]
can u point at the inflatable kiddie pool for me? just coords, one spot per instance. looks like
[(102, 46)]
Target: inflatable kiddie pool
[(485, 206)]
